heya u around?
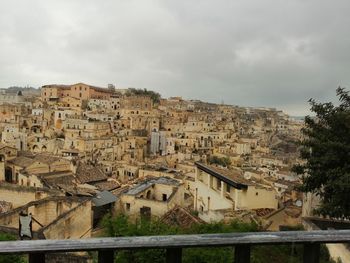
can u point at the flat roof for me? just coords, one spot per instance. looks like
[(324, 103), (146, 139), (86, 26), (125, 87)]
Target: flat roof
[(142, 186), (104, 198), (231, 177)]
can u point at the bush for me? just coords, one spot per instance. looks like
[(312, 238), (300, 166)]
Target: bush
[(10, 258), (121, 226), (155, 96)]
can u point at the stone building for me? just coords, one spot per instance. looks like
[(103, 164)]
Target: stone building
[(152, 197), (12, 98), (54, 218), (79, 91), (219, 190)]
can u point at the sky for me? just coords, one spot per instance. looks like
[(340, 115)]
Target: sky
[(270, 53)]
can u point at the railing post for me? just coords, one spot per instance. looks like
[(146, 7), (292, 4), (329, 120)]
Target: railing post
[(106, 256), (36, 258), (242, 253), (174, 255), (311, 253)]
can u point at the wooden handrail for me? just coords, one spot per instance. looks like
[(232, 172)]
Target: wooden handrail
[(174, 243)]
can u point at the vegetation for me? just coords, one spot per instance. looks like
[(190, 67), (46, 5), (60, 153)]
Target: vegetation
[(10, 258), (223, 161), (155, 96), (19, 88), (326, 149), (121, 226), (84, 105)]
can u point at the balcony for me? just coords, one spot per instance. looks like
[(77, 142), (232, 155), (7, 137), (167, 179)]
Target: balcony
[(242, 242)]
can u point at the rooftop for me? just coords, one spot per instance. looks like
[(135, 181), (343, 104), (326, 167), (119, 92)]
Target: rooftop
[(87, 174), (142, 186), (231, 177), (179, 216)]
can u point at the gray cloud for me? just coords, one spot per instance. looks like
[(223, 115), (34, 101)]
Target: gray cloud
[(246, 52)]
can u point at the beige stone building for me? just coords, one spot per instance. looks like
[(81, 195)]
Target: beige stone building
[(80, 91), (152, 197), (219, 190), (54, 218)]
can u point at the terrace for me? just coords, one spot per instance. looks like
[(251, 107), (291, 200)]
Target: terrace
[(241, 242)]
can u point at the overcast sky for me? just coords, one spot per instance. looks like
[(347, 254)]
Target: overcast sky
[(245, 52)]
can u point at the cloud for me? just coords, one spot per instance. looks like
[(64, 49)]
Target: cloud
[(252, 53)]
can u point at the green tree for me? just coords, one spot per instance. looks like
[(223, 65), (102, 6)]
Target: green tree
[(326, 151), (120, 225), (10, 258), (155, 96)]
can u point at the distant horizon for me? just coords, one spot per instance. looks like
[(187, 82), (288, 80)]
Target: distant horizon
[(243, 52), (206, 101)]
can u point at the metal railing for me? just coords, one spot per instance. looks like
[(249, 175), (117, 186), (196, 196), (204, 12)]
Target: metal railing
[(242, 242)]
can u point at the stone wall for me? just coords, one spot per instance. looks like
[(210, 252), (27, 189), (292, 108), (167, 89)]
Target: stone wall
[(55, 217), (20, 196), (74, 224)]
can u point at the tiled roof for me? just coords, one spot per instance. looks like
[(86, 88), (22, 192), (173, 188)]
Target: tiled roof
[(107, 185), (179, 216), (46, 158), (54, 179), (22, 161), (57, 86), (88, 174)]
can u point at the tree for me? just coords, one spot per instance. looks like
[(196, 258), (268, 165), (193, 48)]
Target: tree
[(155, 96), (326, 150), (10, 258), (120, 225)]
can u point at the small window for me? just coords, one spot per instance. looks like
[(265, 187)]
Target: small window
[(127, 206), (218, 184), (228, 188), (256, 193), (164, 197)]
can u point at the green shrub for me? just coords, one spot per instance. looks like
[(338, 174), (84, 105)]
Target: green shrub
[(120, 225)]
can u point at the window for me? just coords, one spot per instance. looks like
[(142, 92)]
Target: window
[(256, 193), (218, 184), (228, 188), (127, 206), (164, 197)]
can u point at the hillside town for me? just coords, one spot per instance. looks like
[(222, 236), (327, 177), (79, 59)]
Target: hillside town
[(70, 154)]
